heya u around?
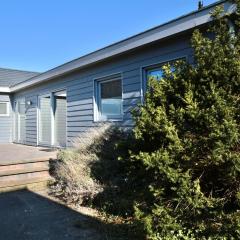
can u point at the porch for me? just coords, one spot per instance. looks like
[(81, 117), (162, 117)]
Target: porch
[(24, 166)]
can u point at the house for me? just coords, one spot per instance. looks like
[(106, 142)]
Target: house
[(54, 107)]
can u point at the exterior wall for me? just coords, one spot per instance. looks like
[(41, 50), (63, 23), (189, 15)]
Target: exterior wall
[(6, 121), (80, 86)]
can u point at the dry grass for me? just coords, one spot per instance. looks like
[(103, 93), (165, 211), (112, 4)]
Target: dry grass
[(95, 156), (74, 182)]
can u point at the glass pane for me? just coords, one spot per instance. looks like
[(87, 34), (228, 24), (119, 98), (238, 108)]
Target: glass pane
[(111, 106), (3, 108), (45, 119), (111, 89), (156, 73), (111, 98)]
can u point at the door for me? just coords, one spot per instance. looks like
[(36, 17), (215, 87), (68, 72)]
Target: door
[(45, 120), (52, 119), (60, 112), (20, 121)]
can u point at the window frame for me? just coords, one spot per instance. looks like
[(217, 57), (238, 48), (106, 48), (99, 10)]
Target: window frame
[(7, 109), (98, 117)]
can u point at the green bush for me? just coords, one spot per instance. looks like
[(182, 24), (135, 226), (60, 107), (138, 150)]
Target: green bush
[(124, 182), (187, 133), (179, 172), (90, 174)]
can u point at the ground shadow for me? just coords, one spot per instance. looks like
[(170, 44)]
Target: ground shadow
[(48, 150), (124, 181), (26, 215)]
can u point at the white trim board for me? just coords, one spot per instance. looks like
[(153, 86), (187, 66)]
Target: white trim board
[(5, 90)]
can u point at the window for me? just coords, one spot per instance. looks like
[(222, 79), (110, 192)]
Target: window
[(4, 109), (109, 99), (156, 72)]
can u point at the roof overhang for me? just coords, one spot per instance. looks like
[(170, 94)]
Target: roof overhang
[(5, 90), (168, 29)]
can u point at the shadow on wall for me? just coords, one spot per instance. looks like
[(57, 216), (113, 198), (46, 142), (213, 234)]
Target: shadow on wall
[(26, 215)]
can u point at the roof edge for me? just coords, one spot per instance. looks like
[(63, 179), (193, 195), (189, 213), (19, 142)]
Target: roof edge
[(5, 90)]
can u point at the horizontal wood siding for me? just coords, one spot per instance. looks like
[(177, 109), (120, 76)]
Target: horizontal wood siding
[(80, 86), (6, 122)]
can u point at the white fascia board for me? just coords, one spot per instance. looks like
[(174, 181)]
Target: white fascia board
[(5, 90), (171, 28)]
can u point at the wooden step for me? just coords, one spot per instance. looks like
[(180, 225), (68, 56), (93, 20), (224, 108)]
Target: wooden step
[(38, 186), (14, 169), (23, 179), (23, 161)]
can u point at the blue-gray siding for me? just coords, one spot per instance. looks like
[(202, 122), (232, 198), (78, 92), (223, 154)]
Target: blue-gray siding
[(80, 86), (6, 122)]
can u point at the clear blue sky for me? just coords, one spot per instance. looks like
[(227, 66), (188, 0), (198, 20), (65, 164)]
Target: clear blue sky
[(39, 35)]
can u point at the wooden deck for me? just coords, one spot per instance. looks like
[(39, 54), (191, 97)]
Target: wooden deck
[(17, 153), (22, 166)]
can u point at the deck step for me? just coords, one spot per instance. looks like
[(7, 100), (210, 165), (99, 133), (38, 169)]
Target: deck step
[(14, 169), (23, 161), (23, 179), (38, 186)]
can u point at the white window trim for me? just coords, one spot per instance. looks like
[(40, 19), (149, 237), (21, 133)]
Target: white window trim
[(97, 84), (8, 112)]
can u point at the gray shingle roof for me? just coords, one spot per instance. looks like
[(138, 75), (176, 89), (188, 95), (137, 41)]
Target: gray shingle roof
[(9, 77)]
